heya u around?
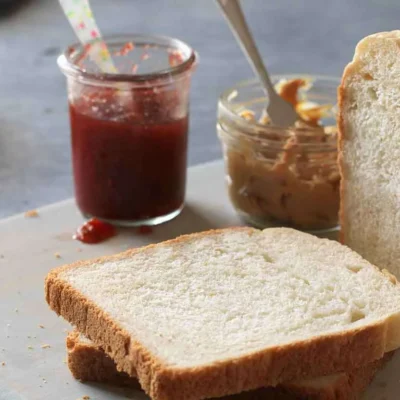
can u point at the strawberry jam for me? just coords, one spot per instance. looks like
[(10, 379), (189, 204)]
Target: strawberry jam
[(131, 168), (94, 231), (129, 124)]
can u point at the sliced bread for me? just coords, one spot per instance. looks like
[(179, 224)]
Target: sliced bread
[(222, 312), (88, 362), (369, 151)]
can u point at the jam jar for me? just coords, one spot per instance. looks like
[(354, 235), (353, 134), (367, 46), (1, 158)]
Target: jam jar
[(282, 177), (129, 128)]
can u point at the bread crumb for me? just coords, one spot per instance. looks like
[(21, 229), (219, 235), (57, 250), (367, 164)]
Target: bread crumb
[(3, 363), (57, 255), (79, 250), (45, 346), (41, 326), (85, 398), (31, 214)]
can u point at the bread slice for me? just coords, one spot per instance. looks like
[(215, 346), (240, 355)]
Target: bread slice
[(88, 362), (369, 151), (221, 312)]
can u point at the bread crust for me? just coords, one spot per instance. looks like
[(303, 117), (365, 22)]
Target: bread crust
[(342, 351), (349, 386), (341, 139), (340, 123), (88, 362)]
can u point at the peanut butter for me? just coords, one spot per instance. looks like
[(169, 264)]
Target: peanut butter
[(292, 180)]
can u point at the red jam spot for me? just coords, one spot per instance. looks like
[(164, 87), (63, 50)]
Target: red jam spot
[(95, 231), (145, 230), (175, 58), (125, 49), (134, 68)]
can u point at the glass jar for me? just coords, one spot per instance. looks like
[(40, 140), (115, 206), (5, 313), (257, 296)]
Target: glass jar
[(129, 129), (281, 177)]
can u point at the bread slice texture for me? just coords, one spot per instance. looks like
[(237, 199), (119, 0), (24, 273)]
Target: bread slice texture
[(89, 362), (226, 311), (369, 151)]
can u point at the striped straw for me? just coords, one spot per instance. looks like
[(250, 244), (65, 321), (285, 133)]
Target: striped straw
[(80, 16)]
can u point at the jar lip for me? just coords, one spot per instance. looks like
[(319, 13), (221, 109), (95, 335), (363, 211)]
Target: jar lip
[(69, 68), (227, 94)]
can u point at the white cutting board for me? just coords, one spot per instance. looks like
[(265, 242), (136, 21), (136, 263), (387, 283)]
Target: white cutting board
[(27, 252)]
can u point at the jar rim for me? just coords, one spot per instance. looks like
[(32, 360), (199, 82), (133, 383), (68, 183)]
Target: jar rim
[(228, 93), (66, 61)]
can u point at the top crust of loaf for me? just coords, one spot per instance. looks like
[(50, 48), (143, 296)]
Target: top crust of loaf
[(384, 41), (324, 354), (388, 42)]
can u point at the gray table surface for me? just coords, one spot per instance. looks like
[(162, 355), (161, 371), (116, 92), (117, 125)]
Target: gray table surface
[(312, 36)]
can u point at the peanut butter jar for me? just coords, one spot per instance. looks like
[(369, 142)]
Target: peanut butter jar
[(282, 177)]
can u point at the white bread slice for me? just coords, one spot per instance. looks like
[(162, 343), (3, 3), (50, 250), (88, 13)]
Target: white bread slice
[(369, 151), (222, 312), (88, 362)]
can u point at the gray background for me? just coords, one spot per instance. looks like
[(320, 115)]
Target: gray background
[(312, 36)]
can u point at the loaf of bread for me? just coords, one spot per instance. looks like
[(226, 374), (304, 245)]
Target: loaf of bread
[(88, 362), (369, 151), (222, 312)]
